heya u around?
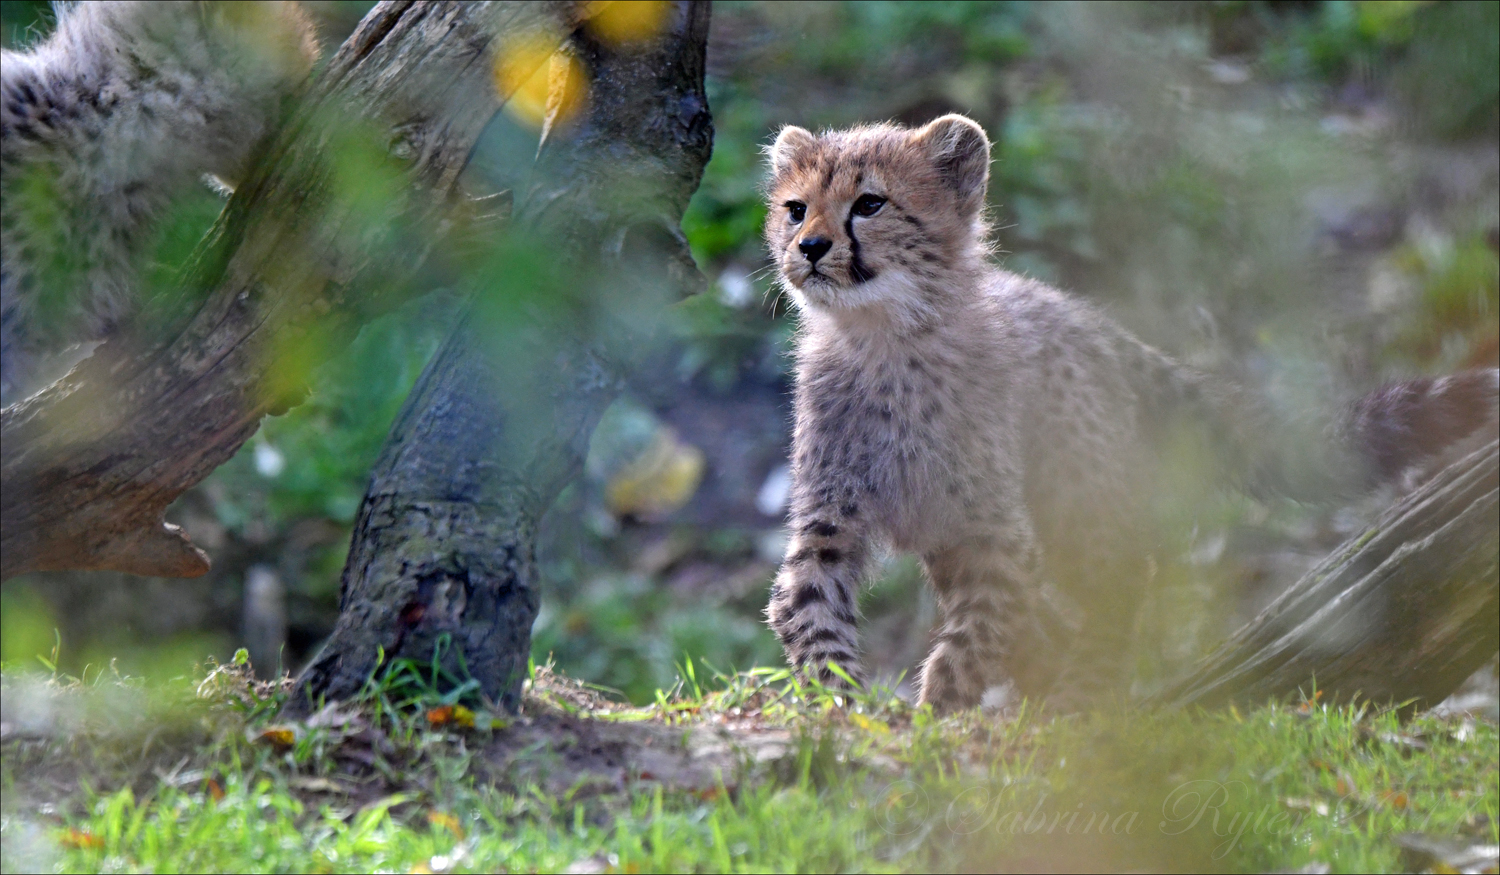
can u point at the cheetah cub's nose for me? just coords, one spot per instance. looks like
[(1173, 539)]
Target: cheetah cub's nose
[(815, 248)]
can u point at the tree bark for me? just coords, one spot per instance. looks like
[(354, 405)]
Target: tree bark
[(305, 252), (1403, 613), (444, 543)]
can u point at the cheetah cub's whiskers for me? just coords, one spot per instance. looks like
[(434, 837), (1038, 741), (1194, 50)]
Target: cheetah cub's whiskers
[(984, 421)]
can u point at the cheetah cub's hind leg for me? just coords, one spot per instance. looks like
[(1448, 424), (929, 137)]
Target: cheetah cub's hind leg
[(1108, 574), (980, 584)]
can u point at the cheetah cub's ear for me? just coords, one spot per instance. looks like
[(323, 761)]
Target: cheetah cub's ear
[(959, 149), (790, 143)]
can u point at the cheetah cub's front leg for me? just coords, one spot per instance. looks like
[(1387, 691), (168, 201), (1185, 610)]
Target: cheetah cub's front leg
[(813, 607)]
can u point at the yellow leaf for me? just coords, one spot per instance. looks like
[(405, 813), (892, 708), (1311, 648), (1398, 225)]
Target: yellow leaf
[(279, 737)]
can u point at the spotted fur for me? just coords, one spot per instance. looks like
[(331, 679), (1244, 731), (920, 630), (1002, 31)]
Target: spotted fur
[(996, 427), (120, 110)]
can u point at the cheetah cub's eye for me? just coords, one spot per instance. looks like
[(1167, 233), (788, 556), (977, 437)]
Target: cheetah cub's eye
[(797, 210), (868, 205)]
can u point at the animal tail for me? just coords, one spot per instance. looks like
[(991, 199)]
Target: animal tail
[(1410, 423)]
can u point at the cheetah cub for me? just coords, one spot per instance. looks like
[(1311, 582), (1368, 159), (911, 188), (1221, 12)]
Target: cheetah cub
[(993, 426)]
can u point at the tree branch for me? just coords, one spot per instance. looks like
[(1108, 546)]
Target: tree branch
[(305, 253), (1404, 612)]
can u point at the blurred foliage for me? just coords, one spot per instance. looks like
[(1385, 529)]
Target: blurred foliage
[(1450, 78), (26, 627), (1454, 311), (1163, 158), (721, 339), (22, 21), (1446, 72), (1335, 38), (314, 461)]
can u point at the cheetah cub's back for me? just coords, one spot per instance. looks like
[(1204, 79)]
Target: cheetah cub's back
[(988, 423)]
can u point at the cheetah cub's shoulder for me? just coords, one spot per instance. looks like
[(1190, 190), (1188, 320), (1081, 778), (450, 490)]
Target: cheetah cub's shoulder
[(984, 421)]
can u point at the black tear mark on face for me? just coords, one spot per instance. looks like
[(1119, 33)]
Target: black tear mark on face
[(858, 270)]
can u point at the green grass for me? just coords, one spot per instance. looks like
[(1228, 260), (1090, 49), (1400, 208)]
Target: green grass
[(198, 775)]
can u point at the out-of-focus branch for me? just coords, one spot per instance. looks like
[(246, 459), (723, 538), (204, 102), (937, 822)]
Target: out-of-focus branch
[(303, 252), (1402, 613)]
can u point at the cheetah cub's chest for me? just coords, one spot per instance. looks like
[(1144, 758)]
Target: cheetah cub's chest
[(898, 417)]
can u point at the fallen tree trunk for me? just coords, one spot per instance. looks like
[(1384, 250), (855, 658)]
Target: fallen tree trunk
[(1402, 613), (444, 543), (306, 252)]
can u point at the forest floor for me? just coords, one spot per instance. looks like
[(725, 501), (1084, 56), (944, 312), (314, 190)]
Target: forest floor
[(753, 772)]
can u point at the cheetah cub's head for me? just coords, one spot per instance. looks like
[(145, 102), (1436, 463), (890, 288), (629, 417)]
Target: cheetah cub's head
[(878, 219)]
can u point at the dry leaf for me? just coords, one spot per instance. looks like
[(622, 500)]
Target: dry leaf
[(1395, 799), (451, 715)]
